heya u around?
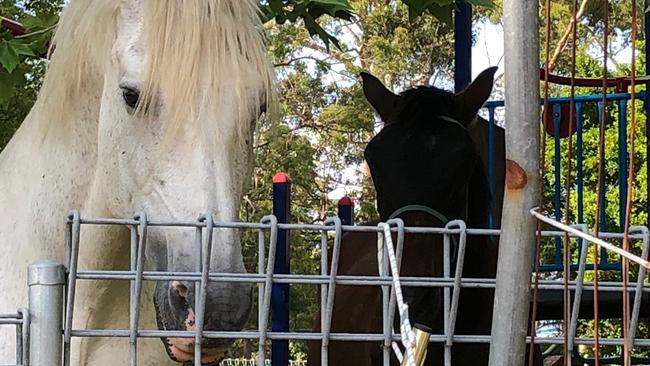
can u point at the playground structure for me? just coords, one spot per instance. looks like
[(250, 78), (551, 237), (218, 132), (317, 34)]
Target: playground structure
[(522, 79)]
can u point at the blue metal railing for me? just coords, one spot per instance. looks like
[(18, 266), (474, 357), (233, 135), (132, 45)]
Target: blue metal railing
[(621, 99)]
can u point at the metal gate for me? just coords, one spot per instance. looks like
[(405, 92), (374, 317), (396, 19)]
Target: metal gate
[(50, 332)]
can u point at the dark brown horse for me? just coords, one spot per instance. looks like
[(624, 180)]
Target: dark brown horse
[(430, 153)]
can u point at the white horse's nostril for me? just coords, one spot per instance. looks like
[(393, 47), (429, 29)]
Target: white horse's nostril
[(180, 288)]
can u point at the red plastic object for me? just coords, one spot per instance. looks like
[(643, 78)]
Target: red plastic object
[(281, 177), (549, 123), (345, 201)]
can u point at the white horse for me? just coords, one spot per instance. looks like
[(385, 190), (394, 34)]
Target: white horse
[(147, 105)]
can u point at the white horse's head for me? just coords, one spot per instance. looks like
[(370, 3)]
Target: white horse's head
[(181, 84)]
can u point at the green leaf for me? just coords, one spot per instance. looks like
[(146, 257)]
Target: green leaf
[(489, 4), (315, 29), (20, 48), (10, 82), (32, 21), (9, 59), (443, 13), (417, 7), (441, 9), (336, 8), (38, 22), (277, 6), (6, 91)]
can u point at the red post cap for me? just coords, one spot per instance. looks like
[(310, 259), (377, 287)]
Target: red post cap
[(345, 201), (281, 177)]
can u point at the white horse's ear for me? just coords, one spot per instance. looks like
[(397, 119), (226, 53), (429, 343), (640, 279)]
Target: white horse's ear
[(380, 98), (471, 99)]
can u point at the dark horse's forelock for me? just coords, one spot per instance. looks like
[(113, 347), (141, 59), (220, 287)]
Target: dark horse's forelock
[(423, 103)]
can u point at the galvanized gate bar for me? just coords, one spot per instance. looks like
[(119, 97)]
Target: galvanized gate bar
[(575, 311), (267, 287), (327, 310), (72, 248), (200, 297), (390, 311), (138, 247), (359, 281), (324, 250), (385, 298), (46, 280), (21, 321), (639, 282), (462, 244), (22, 338), (446, 272)]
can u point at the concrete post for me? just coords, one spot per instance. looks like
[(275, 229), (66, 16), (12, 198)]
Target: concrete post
[(517, 244)]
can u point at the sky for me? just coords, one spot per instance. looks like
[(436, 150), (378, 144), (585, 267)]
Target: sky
[(488, 49)]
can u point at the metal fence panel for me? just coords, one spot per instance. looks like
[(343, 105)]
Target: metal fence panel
[(331, 232)]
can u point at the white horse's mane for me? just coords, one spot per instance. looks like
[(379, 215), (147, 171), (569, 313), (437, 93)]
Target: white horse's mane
[(179, 37)]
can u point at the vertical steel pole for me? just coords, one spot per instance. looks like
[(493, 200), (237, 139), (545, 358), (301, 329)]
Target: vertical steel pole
[(346, 210), (46, 280), (462, 45), (517, 244), (280, 294), (622, 161), (646, 103)]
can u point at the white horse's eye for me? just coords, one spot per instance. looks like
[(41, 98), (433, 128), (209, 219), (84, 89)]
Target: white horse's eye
[(131, 97)]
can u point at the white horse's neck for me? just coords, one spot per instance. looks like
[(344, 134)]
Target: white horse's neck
[(45, 172)]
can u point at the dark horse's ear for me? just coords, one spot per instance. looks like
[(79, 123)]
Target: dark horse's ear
[(470, 100), (380, 98)]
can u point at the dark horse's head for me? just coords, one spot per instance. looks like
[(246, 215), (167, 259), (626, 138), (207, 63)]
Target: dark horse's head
[(424, 155)]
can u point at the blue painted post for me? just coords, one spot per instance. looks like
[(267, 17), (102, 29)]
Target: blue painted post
[(557, 165), (603, 202), (646, 104), (622, 159), (462, 45), (280, 292), (580, 157), (492, 166), (346, 210)]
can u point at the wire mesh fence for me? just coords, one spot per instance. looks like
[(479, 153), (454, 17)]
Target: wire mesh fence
[(253, 362), (20, 322), (331, 233)]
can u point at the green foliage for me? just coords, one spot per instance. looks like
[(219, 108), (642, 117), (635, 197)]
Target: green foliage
[(20, 54), (21, 71), (443, 10), (309, 11)]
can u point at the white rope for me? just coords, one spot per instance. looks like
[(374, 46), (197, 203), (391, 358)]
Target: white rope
[(398, 352), (408, 336), (601, 243)]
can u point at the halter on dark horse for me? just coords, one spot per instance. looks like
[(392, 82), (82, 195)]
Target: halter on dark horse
[(428, 166)]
